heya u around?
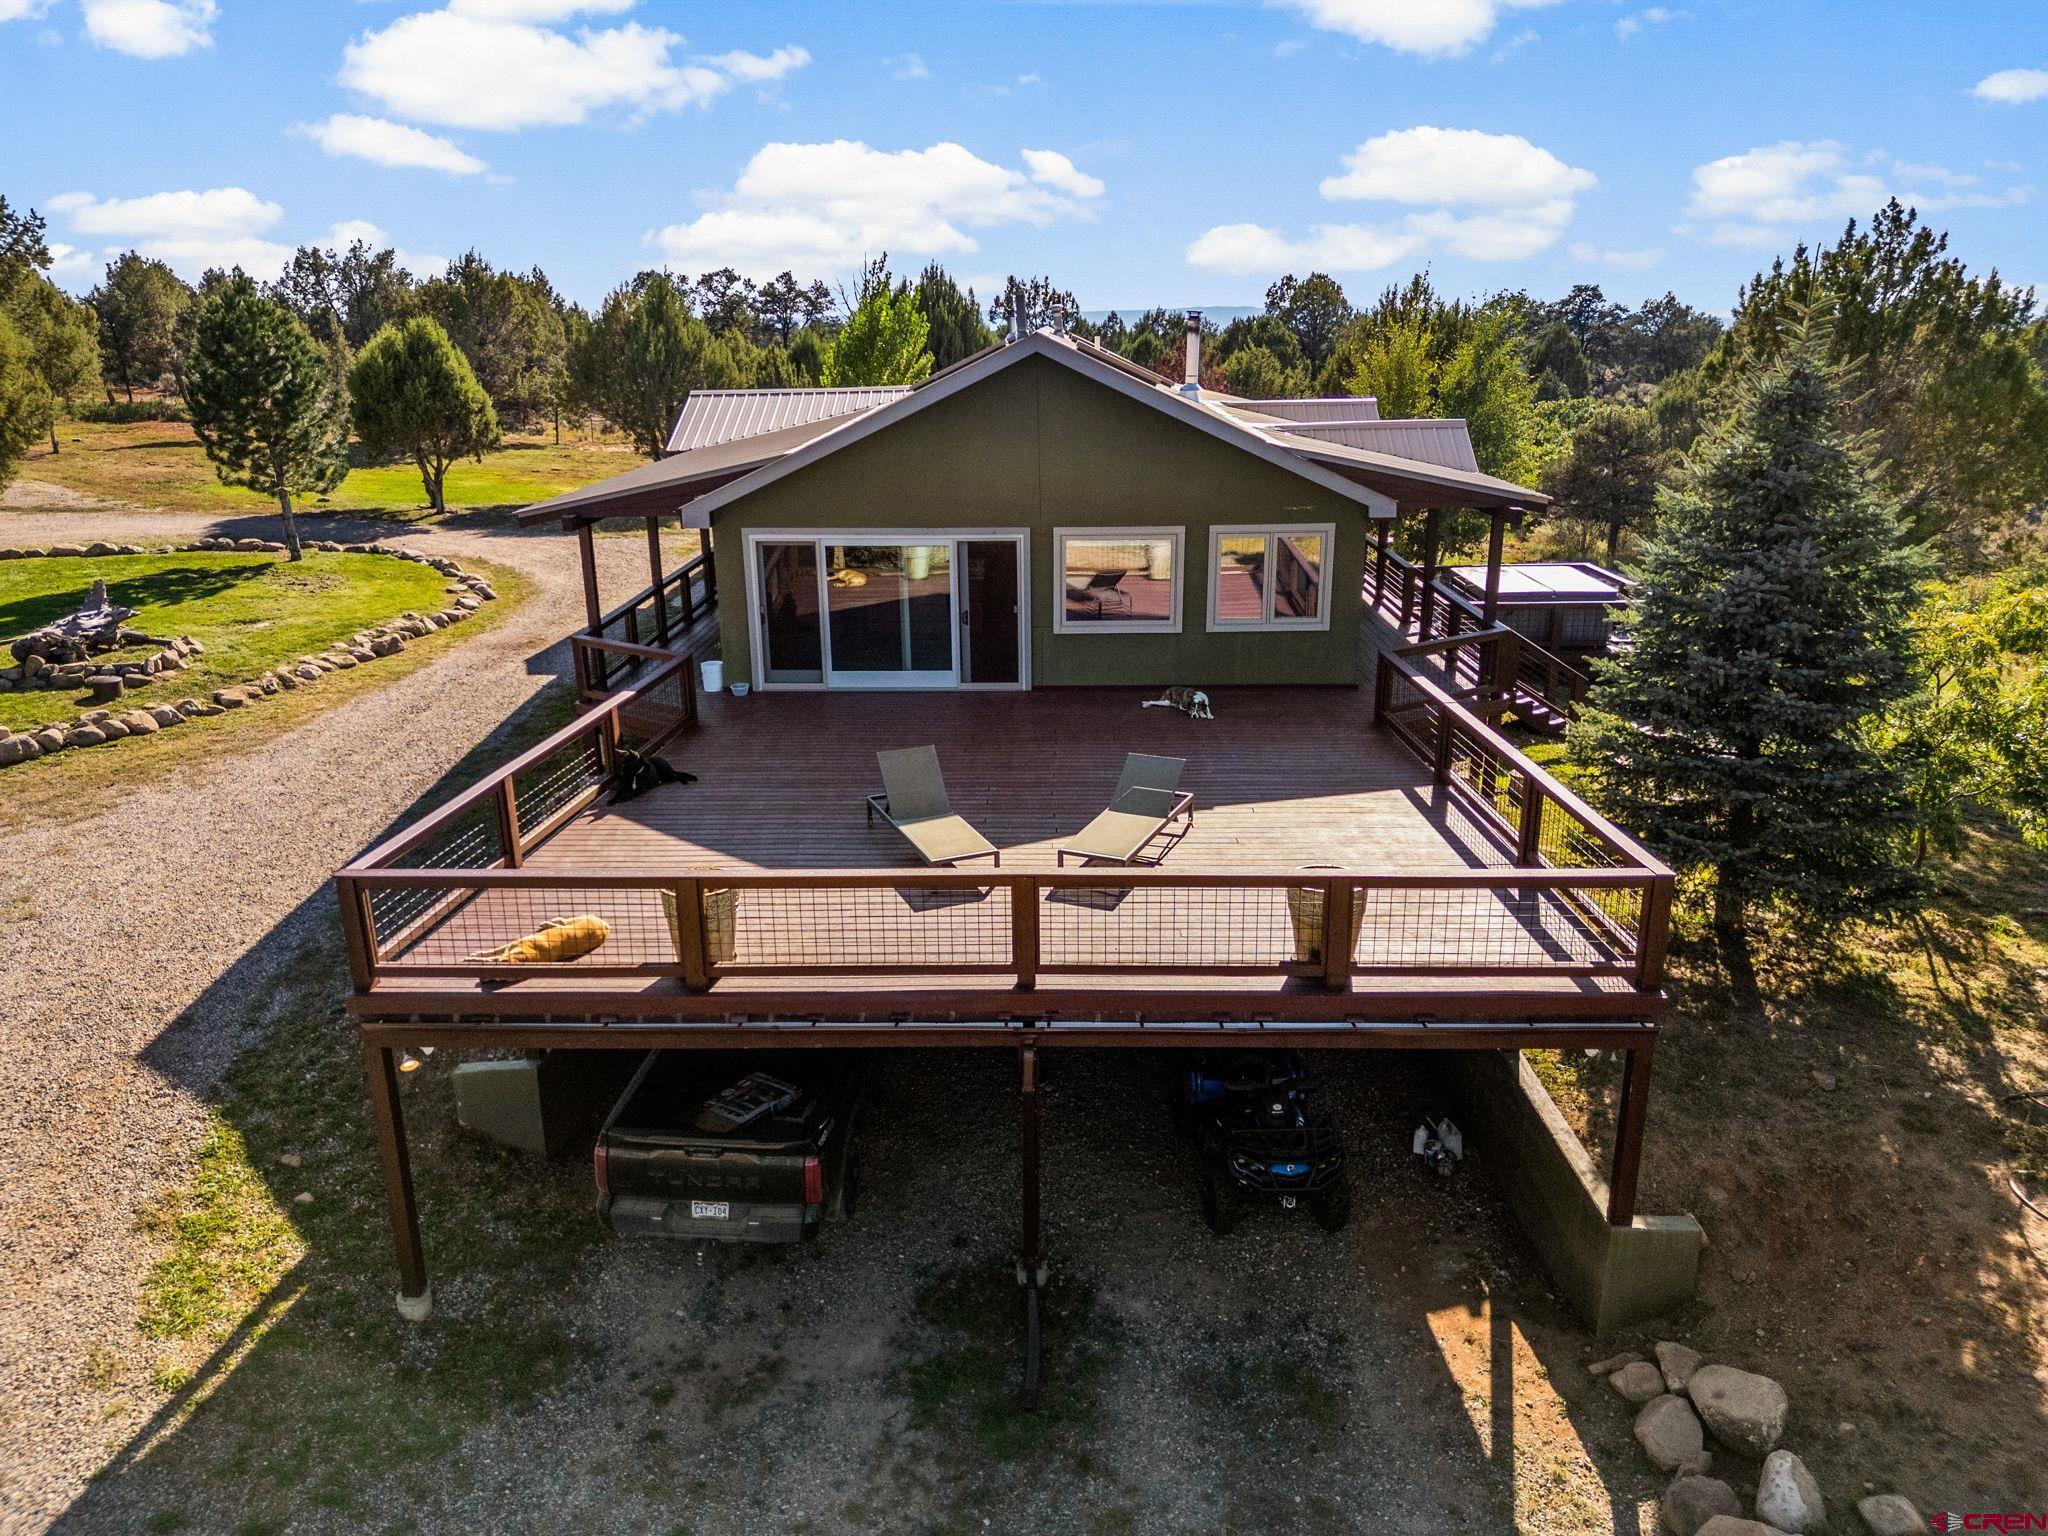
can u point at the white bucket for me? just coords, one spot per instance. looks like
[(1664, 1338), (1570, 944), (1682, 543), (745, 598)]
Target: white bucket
[(714, 676)]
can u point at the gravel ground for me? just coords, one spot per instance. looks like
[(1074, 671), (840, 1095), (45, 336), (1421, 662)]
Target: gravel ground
[(114, 926)]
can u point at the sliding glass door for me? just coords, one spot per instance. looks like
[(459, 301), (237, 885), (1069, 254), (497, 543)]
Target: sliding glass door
[(933, 610)]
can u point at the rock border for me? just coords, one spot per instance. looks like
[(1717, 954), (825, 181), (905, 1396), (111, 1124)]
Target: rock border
[(467, 594)]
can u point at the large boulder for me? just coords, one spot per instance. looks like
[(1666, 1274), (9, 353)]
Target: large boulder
[(1670, 1434), (1690, 1502), (1638, 1381), (1677, 1362), (1788, 1497), (1735, 1525), (1746, 1412), (1890, 1514)]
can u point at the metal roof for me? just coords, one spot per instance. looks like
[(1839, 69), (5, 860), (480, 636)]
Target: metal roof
[(713, 416), (1325, 408)]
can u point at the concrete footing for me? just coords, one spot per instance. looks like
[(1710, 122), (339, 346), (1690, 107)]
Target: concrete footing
[(1613, 1276), (416, 1309)]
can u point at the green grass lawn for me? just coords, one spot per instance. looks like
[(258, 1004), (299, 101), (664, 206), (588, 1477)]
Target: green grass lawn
[(249, 611), (160, 464)]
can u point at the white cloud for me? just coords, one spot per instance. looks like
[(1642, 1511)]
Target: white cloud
[(1455, 165), (1442, 27), (825, 207), (68, 261), (23, 10), (495, 64), (191, 231), (1765, 195), (1052, 169), (387, 143), (753, 67), (150, 29), (1652, 16), (1624, 261), (909, 66), (1483, 196), (2012, 86)]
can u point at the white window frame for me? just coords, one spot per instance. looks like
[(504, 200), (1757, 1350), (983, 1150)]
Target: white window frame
[(1117, 533), (1272, 532)]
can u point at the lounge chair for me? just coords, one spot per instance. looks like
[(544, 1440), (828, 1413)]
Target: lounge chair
[(913, 801), (1100, 588), (1147, 797)]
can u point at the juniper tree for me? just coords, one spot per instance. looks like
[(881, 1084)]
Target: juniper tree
[(25, 404), (412, 395), (266, 401), (1735, 732)]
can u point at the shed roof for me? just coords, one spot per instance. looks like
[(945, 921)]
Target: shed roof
[(713, 416)]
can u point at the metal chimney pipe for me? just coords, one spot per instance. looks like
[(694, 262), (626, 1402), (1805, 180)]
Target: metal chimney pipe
[(1193, 379), (1016, 310)]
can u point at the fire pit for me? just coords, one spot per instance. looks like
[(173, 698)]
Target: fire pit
[(67, 654)]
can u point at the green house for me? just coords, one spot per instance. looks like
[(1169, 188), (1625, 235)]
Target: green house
[(1043, 514)]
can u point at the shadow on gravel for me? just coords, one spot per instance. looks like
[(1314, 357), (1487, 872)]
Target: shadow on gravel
[(1412, 1373)]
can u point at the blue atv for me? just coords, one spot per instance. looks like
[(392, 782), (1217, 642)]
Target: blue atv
[(1249, 1116)]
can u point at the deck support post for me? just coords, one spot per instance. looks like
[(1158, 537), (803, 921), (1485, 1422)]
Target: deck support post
[(1432, 544), (586, 549), (710, 566), (1383, 533), (654, 571), (415, 1296), (1030, 1253), (1496, 537), (1628, 1134)]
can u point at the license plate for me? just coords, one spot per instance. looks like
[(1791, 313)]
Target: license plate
[(717, 1210)]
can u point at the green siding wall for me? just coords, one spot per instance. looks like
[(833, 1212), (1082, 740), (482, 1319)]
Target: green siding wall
[(1038, 446)]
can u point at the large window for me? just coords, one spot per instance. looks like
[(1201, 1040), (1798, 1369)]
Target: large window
[(1270, 577), (1118, 580)]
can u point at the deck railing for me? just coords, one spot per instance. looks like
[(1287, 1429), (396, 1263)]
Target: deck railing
[(1580, 900), (647, 625)]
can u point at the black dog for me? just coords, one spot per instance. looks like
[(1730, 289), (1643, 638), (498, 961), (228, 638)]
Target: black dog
[(638, 773)]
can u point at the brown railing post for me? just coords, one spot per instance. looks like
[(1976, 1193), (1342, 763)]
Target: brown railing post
[(1445, 723), (358, 931), (1432, 544), (608, 742), (1382, 533), (1628, 1135), (1407, 597), (380, 1060), (1382, 689), (1024, 931), (689, 688), (1338, 899), (1654, 937), (508, 823), (1529, 854), (694, 955), (710, 569)]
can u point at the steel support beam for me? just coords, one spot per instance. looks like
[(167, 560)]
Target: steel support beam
[(414, 1296), (1628, 1134)]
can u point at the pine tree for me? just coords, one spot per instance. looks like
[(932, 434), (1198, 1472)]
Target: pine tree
[(412, 394), (62, 337), (265, 399), (642, 356), (1734, 734), (25, 404)]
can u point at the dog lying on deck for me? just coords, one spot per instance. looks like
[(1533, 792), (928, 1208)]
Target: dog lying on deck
[(1191, 702)]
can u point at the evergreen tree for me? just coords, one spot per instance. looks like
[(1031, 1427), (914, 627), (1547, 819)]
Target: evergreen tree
[(1608, 478), (1037, 300), (643, 355), (412, 395), (25, 404), (1313, 309), (883, 340), (1735, 733), (62, 339), (1255, 373), (139, 304), (955, 328), (265, 400), (23, 250), (508, 327)]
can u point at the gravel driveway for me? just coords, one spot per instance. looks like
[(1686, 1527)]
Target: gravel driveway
[(113, 926)]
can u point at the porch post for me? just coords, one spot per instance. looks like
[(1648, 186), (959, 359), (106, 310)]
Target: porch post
[(654, 569), (415, 1296), (1030, 1258), (1382, 535), (1628, 1135), (1432, 535), (1496, 536), (586, 547), (710, 566)]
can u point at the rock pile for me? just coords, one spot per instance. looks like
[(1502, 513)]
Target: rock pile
[(465, 594), (1683, 1401)]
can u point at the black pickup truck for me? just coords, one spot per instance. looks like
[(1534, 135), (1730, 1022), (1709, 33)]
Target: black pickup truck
[(736, 1147)]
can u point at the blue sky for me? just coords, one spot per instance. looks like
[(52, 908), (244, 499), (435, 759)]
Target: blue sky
[(1140, 153)]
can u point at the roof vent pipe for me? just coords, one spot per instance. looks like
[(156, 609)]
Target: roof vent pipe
[(1016, 294), (1193, 380)]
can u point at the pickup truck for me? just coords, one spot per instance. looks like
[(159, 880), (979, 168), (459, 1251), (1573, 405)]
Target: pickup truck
[(729, 1146)]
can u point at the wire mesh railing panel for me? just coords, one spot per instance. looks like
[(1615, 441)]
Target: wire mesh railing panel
[(554, 781), (522, 926), (1491, 776), (795, 928), (1482, 928), (657, 709), (1179, 927), (468, 841), (1566, 842)]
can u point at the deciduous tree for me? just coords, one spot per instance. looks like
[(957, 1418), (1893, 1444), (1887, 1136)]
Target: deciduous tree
[(883, 340), (265, 400), (413, 395), (1735, 733), (62, 337)]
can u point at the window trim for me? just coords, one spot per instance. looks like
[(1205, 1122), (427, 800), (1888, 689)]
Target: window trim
[(1218, 532), (1112, 533)]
